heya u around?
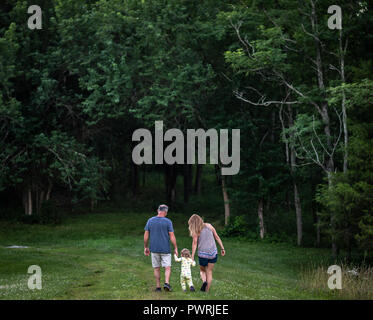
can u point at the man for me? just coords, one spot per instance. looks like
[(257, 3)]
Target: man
[(161, 231)]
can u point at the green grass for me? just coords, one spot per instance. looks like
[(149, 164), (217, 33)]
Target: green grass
[(100, 256)]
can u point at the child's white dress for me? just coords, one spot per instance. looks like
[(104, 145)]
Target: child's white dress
[(186, 274)]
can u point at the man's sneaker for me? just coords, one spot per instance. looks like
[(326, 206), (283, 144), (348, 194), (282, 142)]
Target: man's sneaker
[(192, 289), (167, 287), (158, 289), (204, 285)]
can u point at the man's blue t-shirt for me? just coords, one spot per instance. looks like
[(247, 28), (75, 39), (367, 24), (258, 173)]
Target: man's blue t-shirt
[(159, 227)]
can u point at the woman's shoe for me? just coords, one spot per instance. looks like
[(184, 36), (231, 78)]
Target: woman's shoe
[(167, 287), (204, 285)]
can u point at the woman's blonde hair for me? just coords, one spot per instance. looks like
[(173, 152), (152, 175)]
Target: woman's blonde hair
[(195, 225), (185, 253)]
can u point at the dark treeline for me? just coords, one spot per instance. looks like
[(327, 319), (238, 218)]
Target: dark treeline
[(73, 93)]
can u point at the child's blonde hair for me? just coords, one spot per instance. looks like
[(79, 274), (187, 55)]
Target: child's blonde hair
[(185, 253)]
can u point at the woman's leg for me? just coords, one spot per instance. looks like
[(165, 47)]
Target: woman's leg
[(202, 272), (209, 269)]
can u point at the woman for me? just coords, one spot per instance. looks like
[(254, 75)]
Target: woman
[(204, 234)]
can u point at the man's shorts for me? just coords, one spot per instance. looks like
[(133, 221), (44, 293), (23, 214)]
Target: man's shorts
[(204, 261), (161, 259)]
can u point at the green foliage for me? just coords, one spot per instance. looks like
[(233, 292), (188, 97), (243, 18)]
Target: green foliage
[(239, 227), (350, 196), (50, 213), (72, 94)]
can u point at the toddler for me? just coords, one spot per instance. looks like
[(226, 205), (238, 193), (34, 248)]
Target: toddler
[(185, 275)]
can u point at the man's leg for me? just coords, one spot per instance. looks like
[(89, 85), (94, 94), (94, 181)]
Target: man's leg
[(157, 275), (167, 274), (166, 263), (156, 263)]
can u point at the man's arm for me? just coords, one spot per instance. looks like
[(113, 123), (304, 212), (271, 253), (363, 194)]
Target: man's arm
[(194, 246), (146, 240), (173, 241)]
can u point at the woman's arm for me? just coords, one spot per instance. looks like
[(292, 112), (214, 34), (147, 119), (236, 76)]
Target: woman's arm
[(194, 246), (217, 238)]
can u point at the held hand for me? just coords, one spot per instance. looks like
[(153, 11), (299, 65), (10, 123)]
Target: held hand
[(222, 252), (146, 251), (176, 252)]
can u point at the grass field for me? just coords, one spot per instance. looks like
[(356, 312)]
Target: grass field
[(100, 256)]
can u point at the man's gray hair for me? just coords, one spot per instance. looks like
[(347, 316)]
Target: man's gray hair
[(163, 207)]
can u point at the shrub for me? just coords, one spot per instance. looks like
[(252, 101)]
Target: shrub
[(49, 214), (239, 227)]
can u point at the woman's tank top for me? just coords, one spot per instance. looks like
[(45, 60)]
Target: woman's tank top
[(206, 244)]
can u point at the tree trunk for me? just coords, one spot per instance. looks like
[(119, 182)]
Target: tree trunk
[(297, 201), (29, 202), (217, 174), (261, 218), (227, 211), (167, 179), (329, 166), (315, 216), (41, 200), (135, 178), (170, 181), (190, 178), (50, 185), (316, 222), (24, 200), (144, 176), (93, 204), (298, 213), (333, 225), (187, 182), (197, 183), (173, 184), (344, 112)]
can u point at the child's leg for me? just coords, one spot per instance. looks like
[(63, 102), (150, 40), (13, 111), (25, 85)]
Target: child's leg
[(190, 282), (183, 283)]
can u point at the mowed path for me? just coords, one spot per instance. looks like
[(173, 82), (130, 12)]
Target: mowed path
[(100, 256)]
